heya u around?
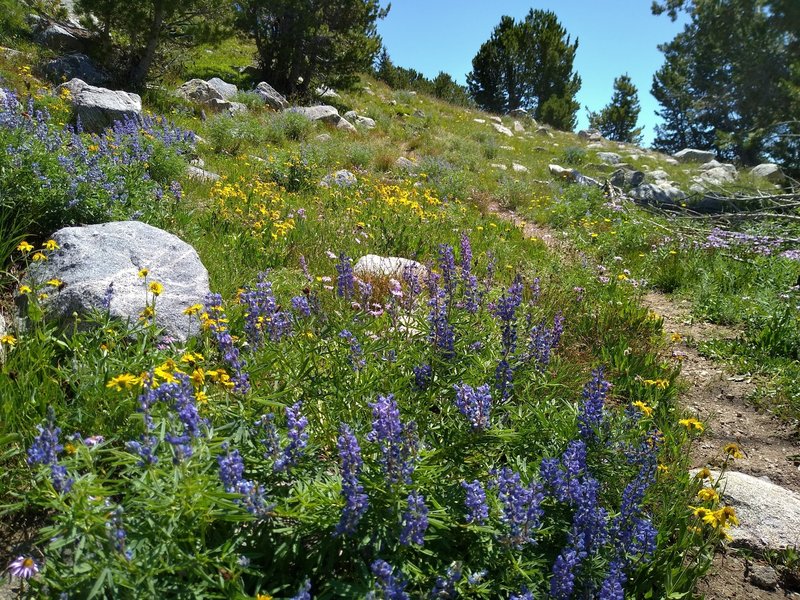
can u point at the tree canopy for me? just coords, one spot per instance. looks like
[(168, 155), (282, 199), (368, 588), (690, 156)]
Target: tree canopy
[(303, 45), (731, 80), (528, 64), (617, 120)]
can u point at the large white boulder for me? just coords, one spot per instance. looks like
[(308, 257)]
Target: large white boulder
[(271, 96), (372, 265), (98, 108), (92, 258)]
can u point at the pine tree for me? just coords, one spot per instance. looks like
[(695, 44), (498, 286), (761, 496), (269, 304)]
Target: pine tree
[(529, 65), (617, 120)]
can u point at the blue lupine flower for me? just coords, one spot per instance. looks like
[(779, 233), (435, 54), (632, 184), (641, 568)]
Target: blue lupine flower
[(442, 334), (504, 379), (397, 441), (116, 529), (231, 473), (345, 282), (356, 501), (423, 374), (445, 586), (414, 520), (217, 324), (562, 582), (447, 265), (524, 594), (45, 450), (475, 404), (521, 507), (391, 586), (590, 418), (304, 593), (268, 435), (263, 314), (466, 256), (477, 507), (300, 305), (613, 587), (542, 340), (356, 358), (298, 438)]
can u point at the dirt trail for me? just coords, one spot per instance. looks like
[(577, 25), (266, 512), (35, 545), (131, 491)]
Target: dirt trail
[(718, 398)]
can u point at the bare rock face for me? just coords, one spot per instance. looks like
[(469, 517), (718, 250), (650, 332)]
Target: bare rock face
[(224, 89), (98, 108), (197, 90), (91, 259), (660, 193), (71, 66), (692, 155)]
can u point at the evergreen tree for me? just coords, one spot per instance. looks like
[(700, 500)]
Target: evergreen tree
[(302, 45), (617, 120), (731, 80), (528, 64), (146, 30)]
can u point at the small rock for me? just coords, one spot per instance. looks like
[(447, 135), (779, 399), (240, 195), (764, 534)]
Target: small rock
[(518, 112), (63, 38), (657, 175), (365, 122), (500, 166), (518, 127), (497, 120), (657, 193), (592, 135), (518, 168), (197, 90), (406, 164), (609, 158), (671, 161), (502, 129), (764, 577), (271, 97), (594, 145), (323, 137), (479, 120), (341, 178), (626, 178), (324, 113), (769, 171), (326, 92), (201, 175), (693, 155), (373, 265), (572, 175), (545, 132), (226, 90)]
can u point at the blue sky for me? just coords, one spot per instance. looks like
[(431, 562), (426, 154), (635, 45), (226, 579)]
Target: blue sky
[(615, 37)]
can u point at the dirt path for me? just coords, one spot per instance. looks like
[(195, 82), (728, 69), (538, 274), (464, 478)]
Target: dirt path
[(718, 398)]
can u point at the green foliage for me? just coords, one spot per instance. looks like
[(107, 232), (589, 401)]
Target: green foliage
[(316, 43), (730, 81), (148, 32), (528, 65), (617, 120), (12, 21)]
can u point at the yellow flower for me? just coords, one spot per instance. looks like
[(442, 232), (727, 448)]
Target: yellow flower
[(24, 247), (198, 377), (692, 425), (8, 340), (263, 597), (55, 283), (646, 410), (702, 512), (193, 309), (147, 313), (663, 469), (24, 289), (676, 337), (51, 245), (726, 516), (733, 450), (156, 288), (191, 358), (126, 381), (201, 397), (144, 272), (708, 495), (38, 257), (43, 296), (703, 473)]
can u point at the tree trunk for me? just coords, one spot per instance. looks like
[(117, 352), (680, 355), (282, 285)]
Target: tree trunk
[(140, 70)]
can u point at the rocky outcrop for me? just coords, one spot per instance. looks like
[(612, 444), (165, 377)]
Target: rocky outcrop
[(95, 259), (503, 129), (359, 120), (224, 89), (609, 158), (659, 194), (75, 66), (98, 108), (626, 178), (324, 113), (341, 178), (591, 135), (62, 37), (198, 174), (770, 172), (405, 164), (572, 175)]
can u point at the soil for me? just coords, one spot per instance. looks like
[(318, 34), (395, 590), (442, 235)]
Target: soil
[(719, 398)]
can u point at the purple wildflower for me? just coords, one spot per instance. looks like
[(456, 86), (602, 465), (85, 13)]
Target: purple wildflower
[(23, 567), (477, 508), (447, 265), (263, 314), (269, 433), (298, 438), (301, 306), (414, 520), (524, 594), (356, 501), (521, 507), (397, 441), (442, 334), (217, 324), (391, 586), (590, 418), (231, 473), (45, 450), (345, 282), (613, 587), (304, 593), (474, 404), (356, 358), (116, 530), (445, 586), (423, 375)]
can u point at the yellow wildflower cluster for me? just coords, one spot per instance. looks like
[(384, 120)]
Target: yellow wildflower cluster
[(721, 518), (646, 410), (692, 424), (256, 204), (419, 200), (661, 384)]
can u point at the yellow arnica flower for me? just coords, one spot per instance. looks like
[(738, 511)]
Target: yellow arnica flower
[(198, 377), (692, 425), (676, 337), (726, 516), (55, 282), (124, 381), (733, 450), (193, 309), (51, 245), (263, 597), (8, 340), (708, 495), (646, 410), (703, 473), (191, 358), (24, 289), (663, 469), (38, 257), (147, 313), (24, 247), (156, 288), (702, 513), (144, 272)]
